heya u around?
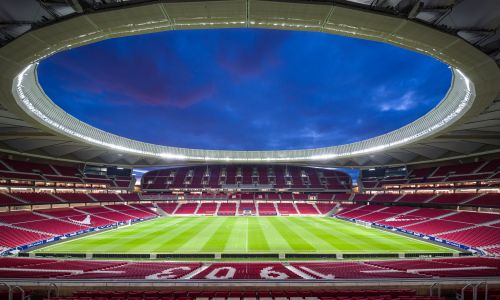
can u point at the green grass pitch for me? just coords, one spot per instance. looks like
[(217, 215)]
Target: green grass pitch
[(242, 235)]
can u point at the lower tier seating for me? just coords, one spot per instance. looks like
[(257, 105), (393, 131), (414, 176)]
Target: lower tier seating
[(267, 209), (169, 208), (186, 209), (20, 228), (287, 209), (249, 294), (227, 209), (307, 209), (125, 270), (14, 237), (207, 208), (250, 207), (324, 208), (481, 236), (246, 271), (436, 227), (473, 229)]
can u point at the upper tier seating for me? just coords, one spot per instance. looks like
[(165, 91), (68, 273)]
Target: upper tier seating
[(38, 175), (454, 199), (37, 198), (277, 176), (106, 197), (381, 198), (475, 174), (463, 199), (63, 179), (457, 169), (415, 198), (67, 171), (488, 200), (130, 197), (75, 197), (26, 178), (29, 167), (6, 199)]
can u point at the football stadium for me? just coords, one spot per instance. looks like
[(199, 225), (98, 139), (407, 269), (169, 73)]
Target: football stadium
[(249, 150)]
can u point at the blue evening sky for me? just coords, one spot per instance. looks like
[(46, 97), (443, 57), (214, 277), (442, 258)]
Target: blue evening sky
[(244, 89)]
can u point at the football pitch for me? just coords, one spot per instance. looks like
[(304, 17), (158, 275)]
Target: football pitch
[(244, 235)]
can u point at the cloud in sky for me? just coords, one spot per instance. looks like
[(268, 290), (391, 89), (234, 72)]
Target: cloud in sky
[(405, 102), (244, 89)]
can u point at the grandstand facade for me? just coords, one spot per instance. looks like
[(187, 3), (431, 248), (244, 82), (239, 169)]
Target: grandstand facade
[(39, 209), (46, 204), (282, 225)]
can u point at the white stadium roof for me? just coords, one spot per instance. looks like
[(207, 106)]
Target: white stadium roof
[(466, 123)]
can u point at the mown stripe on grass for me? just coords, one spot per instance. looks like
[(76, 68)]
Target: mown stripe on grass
[(150, 240), (115, 240), (218, 240), (294, 240), (141, 240), (308, 232), (359, 235), (376, 240), (238, 237), (173, 242), (199, 238), (256, 239), (242, 234), (326, 234)]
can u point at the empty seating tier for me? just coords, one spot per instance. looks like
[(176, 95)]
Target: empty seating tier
[(154, 271), (480, 175), (227, 209), (272, 176)]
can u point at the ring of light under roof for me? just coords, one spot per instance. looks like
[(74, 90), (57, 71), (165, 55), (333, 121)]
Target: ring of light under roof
[(459, 99)]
